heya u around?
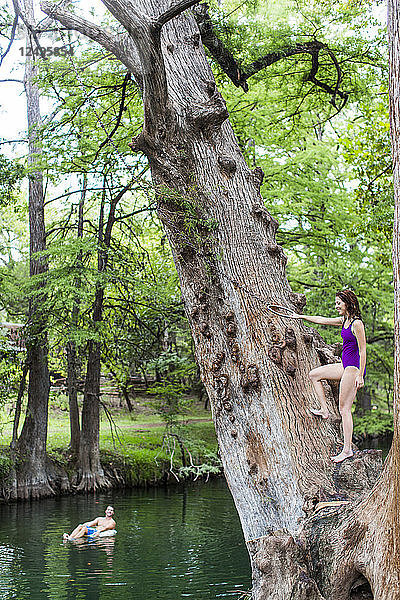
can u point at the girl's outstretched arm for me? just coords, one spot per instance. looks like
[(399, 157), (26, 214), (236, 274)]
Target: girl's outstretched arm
[(320, 320)]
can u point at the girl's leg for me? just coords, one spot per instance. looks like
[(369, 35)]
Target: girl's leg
[(332, 371), (347, 393)]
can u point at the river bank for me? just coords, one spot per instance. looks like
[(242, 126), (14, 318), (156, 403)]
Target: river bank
[(136, 451)]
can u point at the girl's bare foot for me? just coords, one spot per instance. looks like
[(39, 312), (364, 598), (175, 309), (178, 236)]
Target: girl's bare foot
[(342, 456), (319, 413)]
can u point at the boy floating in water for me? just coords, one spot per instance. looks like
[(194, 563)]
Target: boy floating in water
[(93, 528)]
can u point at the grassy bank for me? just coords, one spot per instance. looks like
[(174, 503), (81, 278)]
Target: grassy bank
[(138, 446)]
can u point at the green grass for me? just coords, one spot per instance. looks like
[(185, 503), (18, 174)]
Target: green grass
[(136, 445)]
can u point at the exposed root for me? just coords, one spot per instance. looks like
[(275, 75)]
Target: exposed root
[(87, 481), (281, 569), (30, 483)]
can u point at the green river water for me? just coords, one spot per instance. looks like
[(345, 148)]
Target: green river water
[(176, 542)]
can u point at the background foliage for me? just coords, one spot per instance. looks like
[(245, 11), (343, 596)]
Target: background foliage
[(326, 160)]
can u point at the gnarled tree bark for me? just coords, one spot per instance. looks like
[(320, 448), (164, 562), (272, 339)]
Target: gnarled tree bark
[(254, 365)]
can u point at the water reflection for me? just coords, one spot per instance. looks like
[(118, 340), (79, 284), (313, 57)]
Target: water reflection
[(171, 543), (104, 544)]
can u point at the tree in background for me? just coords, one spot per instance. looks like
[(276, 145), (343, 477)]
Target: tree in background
[(33, 475)]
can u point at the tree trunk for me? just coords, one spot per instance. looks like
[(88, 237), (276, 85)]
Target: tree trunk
[(364, 401), (72, 385), (33, 474), (90, 475), (72, 354), (18, 404), (254, 364), (125, 393)]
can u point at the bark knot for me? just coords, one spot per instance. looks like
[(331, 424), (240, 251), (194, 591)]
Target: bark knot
[(221, 386), (291, 370), (218, 361), (210, 88), (227, 165), (258, 176), (325, 355), (275, 354), (299, 300), (276, 250), (205, 330), (209, 117), (235, 353), (308, 338), (290, 338), (261, 212), (276, 336), (203, 298), (138, 144), (231, 329), (251, 379)]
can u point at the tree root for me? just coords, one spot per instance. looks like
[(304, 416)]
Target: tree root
[(88, 481), (29, 483), (281, 569)]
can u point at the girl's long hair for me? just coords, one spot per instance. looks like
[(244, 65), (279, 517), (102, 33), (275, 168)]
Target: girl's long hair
[(351, 302)]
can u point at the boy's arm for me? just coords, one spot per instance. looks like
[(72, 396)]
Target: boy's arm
[(92, 523)]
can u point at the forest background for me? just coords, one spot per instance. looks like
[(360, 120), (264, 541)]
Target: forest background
[(322, 140)]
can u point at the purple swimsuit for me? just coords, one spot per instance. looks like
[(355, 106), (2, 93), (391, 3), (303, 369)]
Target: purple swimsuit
[(350, 353)]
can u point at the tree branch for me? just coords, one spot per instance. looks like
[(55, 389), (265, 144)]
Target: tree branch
[(217, 49), (386, 170), (174, 11), (14, 142), (122, 47), (119, 117), (43, 25), (136, 23), (146, 35), (327, 88), (13, 30), (239, 75), (273, 57), (28, 25), (383, 337)]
